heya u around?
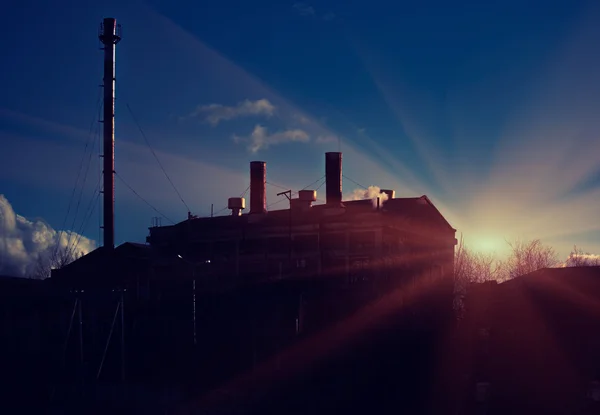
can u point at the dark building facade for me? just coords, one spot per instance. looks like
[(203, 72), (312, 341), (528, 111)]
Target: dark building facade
[(354, 239)]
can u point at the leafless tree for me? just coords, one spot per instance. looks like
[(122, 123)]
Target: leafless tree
[(57, 260), (579, 258), (487, 267), (526, 257), (473, 267)]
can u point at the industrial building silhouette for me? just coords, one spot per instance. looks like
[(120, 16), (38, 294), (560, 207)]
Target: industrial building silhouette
[(145, 327), (208, 298)]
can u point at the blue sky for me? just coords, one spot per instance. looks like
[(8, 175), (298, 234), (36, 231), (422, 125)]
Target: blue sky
[(489, 109)]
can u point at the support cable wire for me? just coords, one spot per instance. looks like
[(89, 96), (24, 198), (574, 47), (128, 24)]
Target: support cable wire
[(315, 182), (93, 200), (85, 176), (358, 184), (112, 328), (280, 187), (98, 103), (304, 188), (66, 344), (321, 185), (295, 193), (245, 191), (292, 194), (142, 199), (225, 208), (220, 210), (87, 216), (156, 157)]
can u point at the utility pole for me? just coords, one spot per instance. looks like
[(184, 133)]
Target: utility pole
[(123, 334), (288, 194), (193, 265), (81, 360), (194, 302)]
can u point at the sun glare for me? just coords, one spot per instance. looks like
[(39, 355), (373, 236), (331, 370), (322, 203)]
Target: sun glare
[(487, 244)]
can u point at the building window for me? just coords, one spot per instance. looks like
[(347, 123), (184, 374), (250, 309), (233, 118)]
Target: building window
[(306, 243), (223, 249), (359, 270), (252, 246), (333, 241), (361, 241), (278, 245)]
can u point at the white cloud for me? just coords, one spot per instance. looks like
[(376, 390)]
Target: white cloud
[(301, 119), (325, 139), (261, 139), (215, 113), (304, 9), (25, 244), (371, 193)]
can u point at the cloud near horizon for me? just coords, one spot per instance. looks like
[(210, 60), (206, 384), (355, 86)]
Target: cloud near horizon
[(25, 243), (215, 113), (261, 139)]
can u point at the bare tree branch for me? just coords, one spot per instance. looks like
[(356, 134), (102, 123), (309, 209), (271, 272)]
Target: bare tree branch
[(527, 257), (57, 260)]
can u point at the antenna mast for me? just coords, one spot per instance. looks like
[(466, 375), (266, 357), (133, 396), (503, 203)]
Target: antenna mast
[(109, 34)]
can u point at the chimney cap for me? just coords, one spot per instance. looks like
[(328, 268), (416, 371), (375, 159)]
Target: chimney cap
[(236, 203), (391, 193), (307, 195)]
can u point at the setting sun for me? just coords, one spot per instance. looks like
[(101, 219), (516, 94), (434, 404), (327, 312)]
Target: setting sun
[(487, 243)]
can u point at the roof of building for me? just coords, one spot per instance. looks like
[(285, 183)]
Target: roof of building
[(103, 262), (418, 210)]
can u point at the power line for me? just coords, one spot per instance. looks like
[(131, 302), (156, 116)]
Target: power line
[(279, 201), (295, 193), (304, 188), (143, 200), (278, 185), (156, 157)]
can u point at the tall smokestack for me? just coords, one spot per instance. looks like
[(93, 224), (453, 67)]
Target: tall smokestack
[(109, 35), (333, 178), (258, 185)]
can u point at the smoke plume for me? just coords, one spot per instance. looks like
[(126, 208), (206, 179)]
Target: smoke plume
[(372, 193), (31, 248)]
